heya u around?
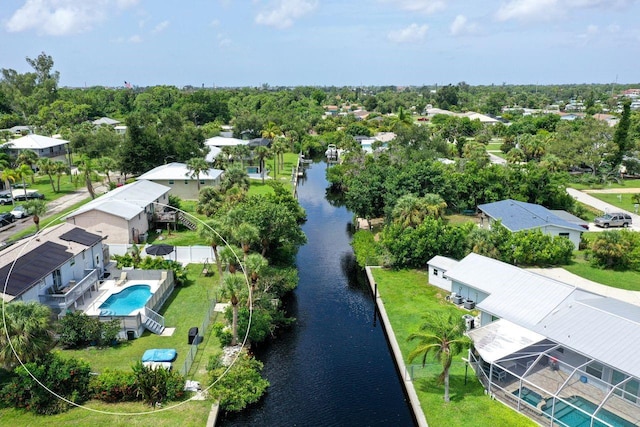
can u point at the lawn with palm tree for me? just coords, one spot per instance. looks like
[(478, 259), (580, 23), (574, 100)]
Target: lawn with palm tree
[(407, 297)]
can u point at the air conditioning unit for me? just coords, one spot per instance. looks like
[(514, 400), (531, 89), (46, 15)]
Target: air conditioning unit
[(469, 304), (457, 299)]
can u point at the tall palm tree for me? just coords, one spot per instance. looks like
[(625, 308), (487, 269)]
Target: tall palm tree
[(36, 207), (60, 168), (27, 328), (22, 172), (195, 167), (442, 335), (233, 284), (9, 176), (45, 167), (409, 211), (228, 255), (255, 263), (87, 167), (212, 231), (279, 147), (28, 158), (271, 131), (261, 152)]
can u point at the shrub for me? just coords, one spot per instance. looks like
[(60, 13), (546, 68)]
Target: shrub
[(224, 335), (157, 385), (68, 378), (114, 386), (77, 329), (240, 386)]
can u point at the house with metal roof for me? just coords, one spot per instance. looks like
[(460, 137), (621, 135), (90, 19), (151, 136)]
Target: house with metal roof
[(60, 267), (43, 146), (123, 215), (178, 178), (106, 121), (548, 349), (522, 216)]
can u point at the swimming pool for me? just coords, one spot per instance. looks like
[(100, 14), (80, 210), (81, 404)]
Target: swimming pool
[(573, 417), (124, 302), (529, 396)]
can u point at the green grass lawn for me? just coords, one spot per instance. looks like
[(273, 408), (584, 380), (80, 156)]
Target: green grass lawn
[(627, 183), (629, 280), (621, 200), (185, 308), (407, 296)]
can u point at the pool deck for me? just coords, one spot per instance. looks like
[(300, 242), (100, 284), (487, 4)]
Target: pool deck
[(110, 287)]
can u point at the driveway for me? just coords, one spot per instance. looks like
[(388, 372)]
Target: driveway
[(589, 200)]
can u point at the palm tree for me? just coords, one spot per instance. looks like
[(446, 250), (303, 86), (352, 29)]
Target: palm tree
[(22, 172), (45, 166), (26, 329), (409, 211), (196, 166), (106, 165), (255, 263), (261, 152), (442, 334), (279, 147), (60, 168), (235, 176), (27, 158), (87, 168), (228, 255), (271, 131), (435, 205), (9, 176), (233, 284), (246, 234), (212, 231), (402, 119), (36, 207)]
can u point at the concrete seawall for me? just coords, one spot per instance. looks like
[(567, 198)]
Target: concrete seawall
[(418, 412)]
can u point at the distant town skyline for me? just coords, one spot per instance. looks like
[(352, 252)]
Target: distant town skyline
[(229, 43)]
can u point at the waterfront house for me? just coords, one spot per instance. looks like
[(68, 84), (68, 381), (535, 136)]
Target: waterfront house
[(519, 216), (60, 267), (123, 215), (550, 349), (178, 178)]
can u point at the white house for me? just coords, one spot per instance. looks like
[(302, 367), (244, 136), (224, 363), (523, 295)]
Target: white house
[(438, 266), (123, 215), (60, 267), (550, 349), (517, 216), (178, 178), (43, 146)]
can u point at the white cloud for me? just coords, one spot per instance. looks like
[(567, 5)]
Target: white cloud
[(62, 17), (546, 10), (282, 13), (414, 33), (592, 29), (421, 6), (215, 23), (223, 41), (135, 39), (161, 27), (461, 25)]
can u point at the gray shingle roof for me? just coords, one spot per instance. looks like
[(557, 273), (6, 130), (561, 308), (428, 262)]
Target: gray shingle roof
[(517, 216)]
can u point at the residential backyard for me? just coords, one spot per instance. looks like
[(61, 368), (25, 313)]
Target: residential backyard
[(407, 296), (186, 308)]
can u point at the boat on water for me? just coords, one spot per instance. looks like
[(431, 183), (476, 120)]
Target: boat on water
[(332, 153)]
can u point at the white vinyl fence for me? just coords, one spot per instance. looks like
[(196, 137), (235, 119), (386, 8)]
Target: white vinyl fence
[(183, 254)]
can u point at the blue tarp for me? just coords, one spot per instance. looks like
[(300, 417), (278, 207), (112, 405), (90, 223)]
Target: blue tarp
[(159, 355)]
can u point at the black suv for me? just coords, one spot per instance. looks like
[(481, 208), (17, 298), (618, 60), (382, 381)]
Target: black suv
[(32, 195), (6, 218)]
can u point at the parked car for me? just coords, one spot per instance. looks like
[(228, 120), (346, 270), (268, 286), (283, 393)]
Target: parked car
[(6, 198), (614, 219), (6, 218), (20, 196), (19, 212)]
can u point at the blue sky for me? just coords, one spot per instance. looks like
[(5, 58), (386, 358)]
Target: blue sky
[(325, 42)]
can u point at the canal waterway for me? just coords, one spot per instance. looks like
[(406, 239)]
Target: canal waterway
[(334, 367)]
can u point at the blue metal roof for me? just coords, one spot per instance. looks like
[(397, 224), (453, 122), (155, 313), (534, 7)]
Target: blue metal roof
[(518, 216)]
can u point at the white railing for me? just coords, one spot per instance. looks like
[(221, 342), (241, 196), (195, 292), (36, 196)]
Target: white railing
[(159, 319), (66, 298)]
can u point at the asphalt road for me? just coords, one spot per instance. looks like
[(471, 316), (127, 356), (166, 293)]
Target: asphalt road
[(53, 207), (585, 198)]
